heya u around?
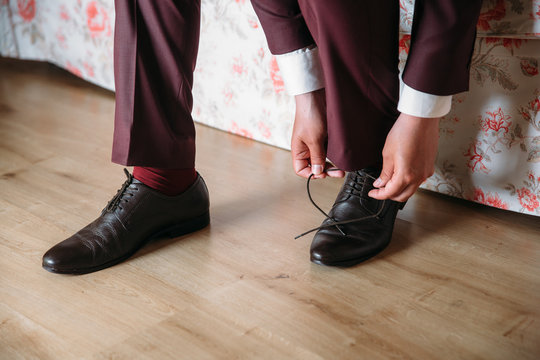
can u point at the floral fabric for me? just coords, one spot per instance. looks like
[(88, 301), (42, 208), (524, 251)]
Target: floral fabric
[(489, 143), (507, 18)]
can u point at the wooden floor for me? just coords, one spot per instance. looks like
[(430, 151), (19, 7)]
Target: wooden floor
[(459, 280)]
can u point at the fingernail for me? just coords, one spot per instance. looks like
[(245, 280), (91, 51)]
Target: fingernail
[(317, 169), (377, 182)]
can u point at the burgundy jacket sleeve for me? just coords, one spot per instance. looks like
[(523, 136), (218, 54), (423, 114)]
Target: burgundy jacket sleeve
[(283, 25), (442, 41)]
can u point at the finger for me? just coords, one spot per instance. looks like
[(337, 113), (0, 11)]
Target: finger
[(406, 193), (317, 155), (300, 158), (301, 167), (386, 174), (393, 187), (320, 176), (333, 171)]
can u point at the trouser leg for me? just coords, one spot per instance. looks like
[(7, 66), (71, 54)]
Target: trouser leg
[(358, 46), (155, 50)]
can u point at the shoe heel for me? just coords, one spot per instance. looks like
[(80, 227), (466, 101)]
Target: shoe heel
[(186, 227)]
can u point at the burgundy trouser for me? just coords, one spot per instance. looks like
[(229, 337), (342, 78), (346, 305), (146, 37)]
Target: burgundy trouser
[(156, 48), (358, 47)]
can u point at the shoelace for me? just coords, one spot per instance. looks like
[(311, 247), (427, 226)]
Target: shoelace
[(115, 201), (352, 192)]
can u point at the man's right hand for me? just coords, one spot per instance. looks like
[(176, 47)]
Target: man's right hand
[(308, 144)]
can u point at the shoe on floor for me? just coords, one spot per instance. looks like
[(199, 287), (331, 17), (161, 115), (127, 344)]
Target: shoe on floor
[(361, 239), (134, 216)]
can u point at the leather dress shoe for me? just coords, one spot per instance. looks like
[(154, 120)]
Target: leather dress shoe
[(134, 216), (366, 224)]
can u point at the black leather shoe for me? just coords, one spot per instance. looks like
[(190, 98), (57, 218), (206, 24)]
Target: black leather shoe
[(133, 217), (366, 227)]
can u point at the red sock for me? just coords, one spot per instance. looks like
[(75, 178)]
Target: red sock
[(167, 181)]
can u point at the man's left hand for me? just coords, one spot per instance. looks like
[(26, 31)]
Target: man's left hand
[(408, 157)]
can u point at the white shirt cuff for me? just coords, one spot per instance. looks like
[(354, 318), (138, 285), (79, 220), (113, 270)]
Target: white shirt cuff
[(417, 103), (301, 70)]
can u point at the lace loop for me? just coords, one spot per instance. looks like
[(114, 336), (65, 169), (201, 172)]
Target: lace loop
[(362, 183), (317, 206)]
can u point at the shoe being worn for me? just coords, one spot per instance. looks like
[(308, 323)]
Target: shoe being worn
[(133, 217), (366, 223)]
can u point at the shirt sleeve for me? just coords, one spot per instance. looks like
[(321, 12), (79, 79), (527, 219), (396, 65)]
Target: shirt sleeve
[(302, 73), (301, 70), (417, 103)]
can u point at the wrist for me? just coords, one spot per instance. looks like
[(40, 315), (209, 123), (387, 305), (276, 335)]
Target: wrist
[(309, 96), (425, 121), (312, 98)]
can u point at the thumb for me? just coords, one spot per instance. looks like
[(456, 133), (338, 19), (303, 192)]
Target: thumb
[(386, 174), (300, 157), (317, 158)]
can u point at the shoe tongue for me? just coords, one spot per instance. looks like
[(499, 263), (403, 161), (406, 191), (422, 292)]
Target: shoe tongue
[(375, 172), (355, 179), (364, 182)]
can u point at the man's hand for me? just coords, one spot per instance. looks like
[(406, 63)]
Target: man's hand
[(408, 157), (308, 144)]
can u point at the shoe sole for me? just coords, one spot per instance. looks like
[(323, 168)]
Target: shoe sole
[(345, 263), (173, 231), (349, 262)]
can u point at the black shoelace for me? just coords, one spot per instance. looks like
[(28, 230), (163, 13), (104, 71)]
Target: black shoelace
[(360, 180), (117, 199)]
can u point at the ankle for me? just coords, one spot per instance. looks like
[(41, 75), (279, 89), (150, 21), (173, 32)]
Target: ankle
[(169, 182)]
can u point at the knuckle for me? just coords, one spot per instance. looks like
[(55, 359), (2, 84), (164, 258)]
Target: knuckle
[(385, 173), (312, 144), (302, 154), (413, 177), (409, 178)]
